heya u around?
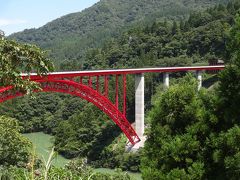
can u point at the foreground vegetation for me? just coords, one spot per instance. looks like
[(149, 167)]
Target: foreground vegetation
[(43, 144), (195, 135)]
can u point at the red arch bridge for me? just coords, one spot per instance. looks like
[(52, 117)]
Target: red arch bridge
[(93, 87)]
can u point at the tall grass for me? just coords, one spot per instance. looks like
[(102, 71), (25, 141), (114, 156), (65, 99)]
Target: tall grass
[(48, 163)]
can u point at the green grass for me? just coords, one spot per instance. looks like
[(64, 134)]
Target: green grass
[(43, 144)]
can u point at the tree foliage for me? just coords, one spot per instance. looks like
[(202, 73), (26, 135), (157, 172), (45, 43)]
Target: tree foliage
[(18, 58), (195, 135), (174, 117), (188, 139), (14, 148), (229, 88), (69, 37), (14, 59)]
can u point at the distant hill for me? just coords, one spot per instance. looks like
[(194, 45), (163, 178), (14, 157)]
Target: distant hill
[(70, 36)]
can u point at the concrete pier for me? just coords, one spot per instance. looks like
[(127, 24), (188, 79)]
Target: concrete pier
[(139, 104), (166, 79), (199, 78)]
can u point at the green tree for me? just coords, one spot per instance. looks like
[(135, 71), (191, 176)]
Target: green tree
[(190, 138), (172, 148), (234, 41), (229, 98), (225, 146), (195, 135), (16, 58), (181, 25), (174, 28), (14, 148)]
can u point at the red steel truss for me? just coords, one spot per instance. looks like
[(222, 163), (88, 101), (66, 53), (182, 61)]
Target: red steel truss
[(87, 85)]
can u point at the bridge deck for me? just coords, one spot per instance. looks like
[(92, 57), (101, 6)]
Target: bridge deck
[(127, 71)]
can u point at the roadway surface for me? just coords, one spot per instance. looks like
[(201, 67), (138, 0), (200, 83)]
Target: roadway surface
[(126, 71)]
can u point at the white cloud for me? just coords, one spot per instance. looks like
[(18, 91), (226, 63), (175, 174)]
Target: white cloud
[(6, 22)]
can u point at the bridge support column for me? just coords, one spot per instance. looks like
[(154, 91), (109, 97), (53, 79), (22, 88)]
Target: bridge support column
[(139, 104), (166, 80), (199, 78), (139, 112)]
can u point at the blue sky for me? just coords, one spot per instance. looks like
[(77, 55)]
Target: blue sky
[(17, 15)]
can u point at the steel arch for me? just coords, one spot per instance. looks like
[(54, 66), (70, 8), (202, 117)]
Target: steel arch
[(84, 92)]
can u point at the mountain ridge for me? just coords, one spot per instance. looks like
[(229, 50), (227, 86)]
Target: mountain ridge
[(71, 35)]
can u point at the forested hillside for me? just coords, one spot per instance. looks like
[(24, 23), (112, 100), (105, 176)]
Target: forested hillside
[(68, 37)]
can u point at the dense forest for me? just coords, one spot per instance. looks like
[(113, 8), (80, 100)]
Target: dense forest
[(69, 37), (207, 119)]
